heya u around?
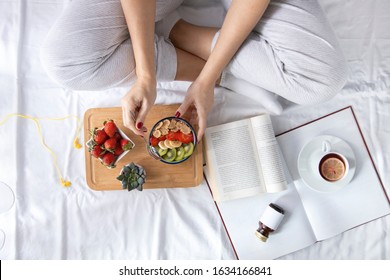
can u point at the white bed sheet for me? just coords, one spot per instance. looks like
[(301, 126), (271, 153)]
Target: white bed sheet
[(48, 221)]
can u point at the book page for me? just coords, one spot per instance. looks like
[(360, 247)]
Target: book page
[(232, 162), (359, 202), (269, 154)]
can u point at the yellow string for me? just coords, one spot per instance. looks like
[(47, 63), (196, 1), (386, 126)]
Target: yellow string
[(76, 143)]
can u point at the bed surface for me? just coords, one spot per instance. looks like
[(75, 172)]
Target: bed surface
[(48, 221)]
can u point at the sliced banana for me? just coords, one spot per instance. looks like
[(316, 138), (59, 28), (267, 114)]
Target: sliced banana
[(166, 123), (159, 125), (185, 129), (172, 124), (175, 144), (161, 144), (179, 124), (157, 133), (168, 144), (164, 130)]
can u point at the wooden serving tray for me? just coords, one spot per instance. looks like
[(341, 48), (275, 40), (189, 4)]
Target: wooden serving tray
[(158, 174)]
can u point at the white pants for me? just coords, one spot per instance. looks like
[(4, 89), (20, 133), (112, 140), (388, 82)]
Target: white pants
[(89, 46), (292, 51)]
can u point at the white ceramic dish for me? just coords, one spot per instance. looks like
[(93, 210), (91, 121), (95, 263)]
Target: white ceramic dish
[(124, 136)]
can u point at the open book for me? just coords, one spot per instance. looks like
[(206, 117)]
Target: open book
[(310, 215), (243, 159)]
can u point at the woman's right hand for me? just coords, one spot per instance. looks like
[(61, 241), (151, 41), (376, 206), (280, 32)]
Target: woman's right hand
[(136, 104), (199, 100)]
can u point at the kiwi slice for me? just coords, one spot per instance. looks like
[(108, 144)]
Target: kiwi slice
[(170, 155), (179, 153), (188, 149), (160, 151)]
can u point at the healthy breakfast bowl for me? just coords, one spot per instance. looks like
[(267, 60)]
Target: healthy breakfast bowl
[(174, 140)]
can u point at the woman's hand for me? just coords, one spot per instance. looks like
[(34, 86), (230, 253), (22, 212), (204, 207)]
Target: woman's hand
[(239, 22), (136, 104), (198, 103)]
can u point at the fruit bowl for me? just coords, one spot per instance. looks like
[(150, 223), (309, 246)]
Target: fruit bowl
[(109, 144), (174, 139)]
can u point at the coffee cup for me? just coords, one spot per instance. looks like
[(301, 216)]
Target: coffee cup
[(332, 166)]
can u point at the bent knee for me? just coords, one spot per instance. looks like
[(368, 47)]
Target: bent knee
[(335, 77), (71, 71), (325, 82), (60, 66)]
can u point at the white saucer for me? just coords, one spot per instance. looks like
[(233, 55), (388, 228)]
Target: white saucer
[(309, 171)]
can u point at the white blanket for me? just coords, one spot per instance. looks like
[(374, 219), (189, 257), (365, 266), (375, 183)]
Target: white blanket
[(48, 221)]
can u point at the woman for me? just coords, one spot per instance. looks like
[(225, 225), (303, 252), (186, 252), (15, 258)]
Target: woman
[(284, 46)]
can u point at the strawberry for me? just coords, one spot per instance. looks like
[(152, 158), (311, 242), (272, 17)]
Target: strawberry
[(118, 151), (185, 138), (99, 136), (110, 145), (125, 144), (153, 141), (117, 136), (110, 128), (173, 136), (97, 151), (109, 159)]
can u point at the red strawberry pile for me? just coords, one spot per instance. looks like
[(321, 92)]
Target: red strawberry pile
[(107, 144)]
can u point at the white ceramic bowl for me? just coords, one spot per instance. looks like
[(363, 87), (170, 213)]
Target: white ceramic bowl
[(89, 145)]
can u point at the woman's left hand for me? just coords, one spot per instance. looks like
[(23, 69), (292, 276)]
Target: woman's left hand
[(199, 99)]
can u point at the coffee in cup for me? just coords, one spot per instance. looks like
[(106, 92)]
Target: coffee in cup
[(332, 167)]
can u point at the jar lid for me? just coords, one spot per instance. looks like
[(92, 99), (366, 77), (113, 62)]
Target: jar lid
[(276, 208)]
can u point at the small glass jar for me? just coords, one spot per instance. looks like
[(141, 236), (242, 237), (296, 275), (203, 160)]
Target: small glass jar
[(269, 221)]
